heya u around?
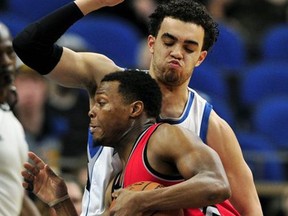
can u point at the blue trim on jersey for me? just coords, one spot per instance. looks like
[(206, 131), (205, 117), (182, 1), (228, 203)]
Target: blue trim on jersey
[(183, 117), (205, 121), (93, 149)]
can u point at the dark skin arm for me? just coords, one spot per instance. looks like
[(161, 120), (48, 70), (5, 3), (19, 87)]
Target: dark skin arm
[(174, 150), (47, 186)]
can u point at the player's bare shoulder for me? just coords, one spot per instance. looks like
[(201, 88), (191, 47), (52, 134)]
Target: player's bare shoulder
[(172, 136), (172, 132)]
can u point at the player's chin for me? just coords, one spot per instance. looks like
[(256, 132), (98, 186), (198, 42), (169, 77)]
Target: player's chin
[(173, 78), (99, 138), (173, 82), (96, 137)]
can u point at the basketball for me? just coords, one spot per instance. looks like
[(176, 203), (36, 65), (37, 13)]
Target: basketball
[(144, 185), (148, 185)]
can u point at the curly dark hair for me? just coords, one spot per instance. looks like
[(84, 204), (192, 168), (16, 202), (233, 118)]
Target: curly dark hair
[(138, 85), (186, 11)]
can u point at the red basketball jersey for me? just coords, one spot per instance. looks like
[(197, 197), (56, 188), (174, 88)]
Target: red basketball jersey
[(138, 169)]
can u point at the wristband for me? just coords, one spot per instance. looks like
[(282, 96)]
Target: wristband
[(57, 201)]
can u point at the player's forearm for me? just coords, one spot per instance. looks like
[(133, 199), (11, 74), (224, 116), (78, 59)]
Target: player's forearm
[(245, 198), (193, 193), (65, 208)]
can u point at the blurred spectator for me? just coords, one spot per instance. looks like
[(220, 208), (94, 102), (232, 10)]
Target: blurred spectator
[(32, 112), (13, 146), (69, 108)]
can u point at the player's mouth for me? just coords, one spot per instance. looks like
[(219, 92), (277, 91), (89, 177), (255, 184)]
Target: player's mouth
[(174, 64)]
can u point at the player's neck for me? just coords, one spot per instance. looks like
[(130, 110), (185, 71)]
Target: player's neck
[(129, 139), (173, 104)]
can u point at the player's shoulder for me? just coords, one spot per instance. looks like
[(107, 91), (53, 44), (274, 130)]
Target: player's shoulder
[(169, 131)]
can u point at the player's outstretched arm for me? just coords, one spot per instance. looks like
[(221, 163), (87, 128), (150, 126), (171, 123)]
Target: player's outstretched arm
[(40, 179), (36, 47)]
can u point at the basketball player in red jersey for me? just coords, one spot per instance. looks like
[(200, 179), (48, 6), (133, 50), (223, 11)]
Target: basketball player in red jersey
[(124, 117)]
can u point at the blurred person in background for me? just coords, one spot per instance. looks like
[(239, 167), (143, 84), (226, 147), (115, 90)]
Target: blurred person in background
[(69, 108), (32, 111), (13, 146)]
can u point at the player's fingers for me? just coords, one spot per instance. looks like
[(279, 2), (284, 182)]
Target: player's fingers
[(31, 168), (27, 176), (37, 160), (28, 181), (28, 166), (25, 184), (28, 186), (116, 193)]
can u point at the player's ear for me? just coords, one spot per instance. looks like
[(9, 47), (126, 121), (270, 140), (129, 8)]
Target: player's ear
[(201, 57), (151, 42), (137, 108)]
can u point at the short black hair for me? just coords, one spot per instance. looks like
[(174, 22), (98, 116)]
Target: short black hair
[(138, 85), (186, 11)]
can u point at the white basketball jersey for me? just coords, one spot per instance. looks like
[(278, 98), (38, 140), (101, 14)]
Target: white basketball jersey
[(13, 153), (195, 116)]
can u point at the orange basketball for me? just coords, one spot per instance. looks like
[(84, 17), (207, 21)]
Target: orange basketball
[(148, 185), (144, 185)]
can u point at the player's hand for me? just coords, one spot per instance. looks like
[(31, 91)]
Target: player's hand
[(111, 3), (87, 6), (127, 203), (42, 181)]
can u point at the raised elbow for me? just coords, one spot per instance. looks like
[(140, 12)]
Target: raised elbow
[(23, 43), (38, 53)]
